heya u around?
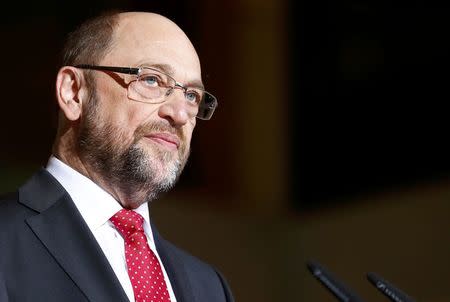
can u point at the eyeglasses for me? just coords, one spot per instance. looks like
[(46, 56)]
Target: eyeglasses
[(153, 86)]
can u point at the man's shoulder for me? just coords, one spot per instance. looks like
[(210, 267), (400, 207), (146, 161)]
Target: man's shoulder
[(8, 201), (13, 209), (12, 217), (10, 208), (9, 197)]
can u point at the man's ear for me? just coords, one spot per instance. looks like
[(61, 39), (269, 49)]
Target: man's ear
[(69, 92)]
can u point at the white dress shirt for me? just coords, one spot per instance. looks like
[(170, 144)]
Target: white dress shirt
[(97, 207)]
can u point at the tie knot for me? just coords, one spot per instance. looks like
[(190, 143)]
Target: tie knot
[(127, 222)]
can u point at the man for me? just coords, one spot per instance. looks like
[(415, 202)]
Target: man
[(79, 230)]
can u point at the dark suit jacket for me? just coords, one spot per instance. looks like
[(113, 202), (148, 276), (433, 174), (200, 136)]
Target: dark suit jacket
[(47, 253)]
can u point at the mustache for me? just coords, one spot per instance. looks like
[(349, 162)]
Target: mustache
[(152, 127)]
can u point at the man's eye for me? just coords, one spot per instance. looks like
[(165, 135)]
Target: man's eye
[(193, 96), (151, 80)]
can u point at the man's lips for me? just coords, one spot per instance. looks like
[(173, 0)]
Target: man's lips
[(167, 139)]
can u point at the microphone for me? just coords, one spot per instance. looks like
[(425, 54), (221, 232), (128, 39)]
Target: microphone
[(338, 289), (389, 290)]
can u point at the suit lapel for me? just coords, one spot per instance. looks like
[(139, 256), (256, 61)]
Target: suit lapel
[(62, 230), (174, 268)]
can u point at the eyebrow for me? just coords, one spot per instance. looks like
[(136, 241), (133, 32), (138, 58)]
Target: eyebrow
[(166, 68), (195, 84)]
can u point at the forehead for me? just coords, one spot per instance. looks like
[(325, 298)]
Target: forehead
[(148, 39)]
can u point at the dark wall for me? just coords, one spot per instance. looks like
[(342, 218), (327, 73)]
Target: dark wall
[(368, 90), (370, 85)]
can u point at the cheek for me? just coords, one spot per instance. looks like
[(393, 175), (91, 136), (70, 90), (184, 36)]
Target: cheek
[(137, 114), (188, 135), (117, 126), (121, 112)]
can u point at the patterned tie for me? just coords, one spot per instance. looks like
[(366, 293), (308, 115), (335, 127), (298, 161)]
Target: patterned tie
[(144, 269)]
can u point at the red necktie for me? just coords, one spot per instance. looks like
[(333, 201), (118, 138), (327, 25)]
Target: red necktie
[(144, 268)]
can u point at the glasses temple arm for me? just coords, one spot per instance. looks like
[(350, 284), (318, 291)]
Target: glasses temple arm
[(126, 70)]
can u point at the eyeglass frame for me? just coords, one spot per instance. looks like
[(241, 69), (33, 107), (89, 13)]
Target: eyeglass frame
[(136, 72)]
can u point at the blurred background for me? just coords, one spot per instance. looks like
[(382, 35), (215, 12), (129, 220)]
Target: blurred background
[(329, 143)]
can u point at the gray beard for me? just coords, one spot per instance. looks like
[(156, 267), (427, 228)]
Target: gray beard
[(131, 170), (135, 173)]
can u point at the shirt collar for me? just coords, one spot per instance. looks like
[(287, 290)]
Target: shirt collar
[(95, 204)]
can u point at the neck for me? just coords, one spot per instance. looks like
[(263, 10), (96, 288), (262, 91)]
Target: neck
[(66, 150)]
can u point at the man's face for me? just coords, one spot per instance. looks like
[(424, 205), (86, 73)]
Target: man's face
[(140, 148)]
